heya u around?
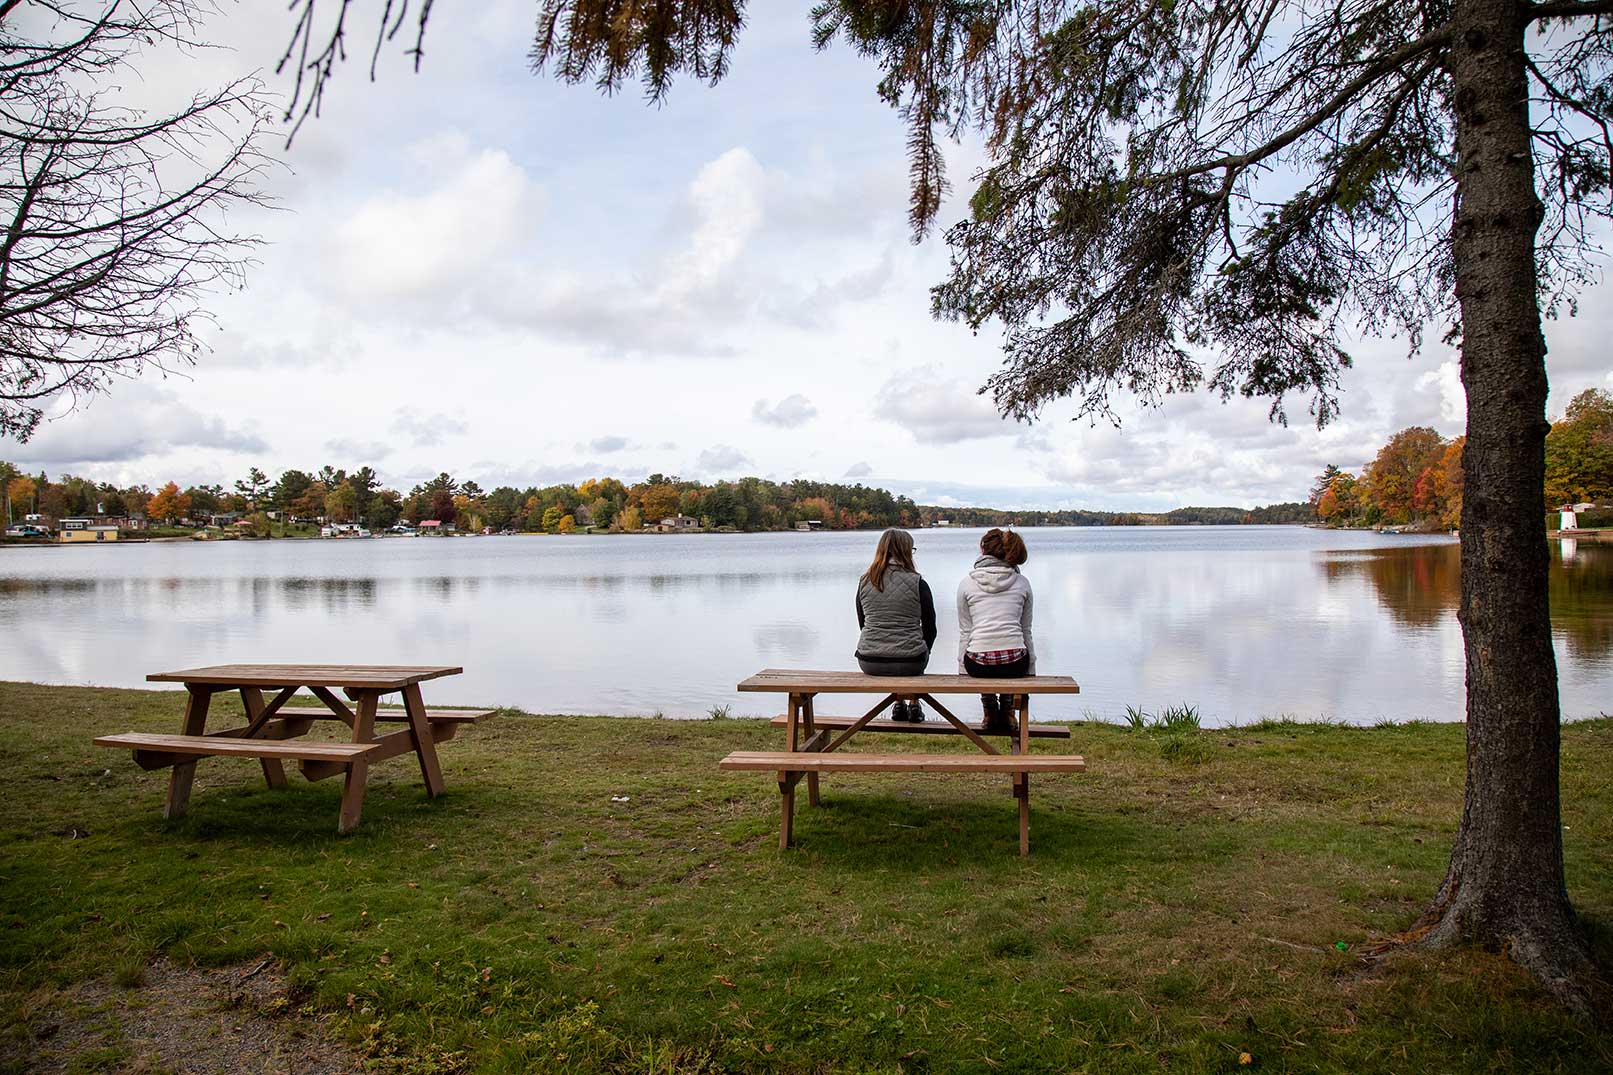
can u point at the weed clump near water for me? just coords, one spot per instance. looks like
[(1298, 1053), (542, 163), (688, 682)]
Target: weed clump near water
[(1176, 728)]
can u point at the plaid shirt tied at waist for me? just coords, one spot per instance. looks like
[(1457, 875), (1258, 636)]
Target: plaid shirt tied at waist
[(997, 656)]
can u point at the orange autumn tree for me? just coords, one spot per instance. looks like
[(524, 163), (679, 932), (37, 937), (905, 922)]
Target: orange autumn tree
[(1394, 475), (20, 492), (168, 504), (1449, 483)]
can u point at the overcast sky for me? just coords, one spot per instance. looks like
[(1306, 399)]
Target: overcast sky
[(478, 270)]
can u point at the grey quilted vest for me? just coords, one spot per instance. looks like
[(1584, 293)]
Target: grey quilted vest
[(892, 622)]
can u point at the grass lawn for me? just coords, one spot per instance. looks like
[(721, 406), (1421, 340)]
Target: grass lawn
[(1182, 906)]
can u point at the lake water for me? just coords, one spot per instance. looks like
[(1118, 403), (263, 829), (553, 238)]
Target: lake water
[(1243, 622)]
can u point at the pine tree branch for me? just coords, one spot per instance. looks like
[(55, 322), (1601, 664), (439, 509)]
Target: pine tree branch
[(1565, 9), (1347, 93)]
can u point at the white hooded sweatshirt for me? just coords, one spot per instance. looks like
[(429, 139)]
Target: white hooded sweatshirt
[(994, 610)]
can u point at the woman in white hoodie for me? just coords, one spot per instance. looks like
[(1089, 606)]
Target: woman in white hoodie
[(994, 622)]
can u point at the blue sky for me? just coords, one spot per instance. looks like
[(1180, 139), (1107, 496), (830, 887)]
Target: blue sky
[(478, 270)]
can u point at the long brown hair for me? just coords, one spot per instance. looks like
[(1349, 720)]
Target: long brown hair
[(895, 549), (1005, 545)]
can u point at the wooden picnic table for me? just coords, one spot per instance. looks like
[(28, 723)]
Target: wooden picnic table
[(273, 729), (811, 738)]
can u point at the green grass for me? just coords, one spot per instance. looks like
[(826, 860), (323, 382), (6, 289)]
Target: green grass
[(1169, 918)]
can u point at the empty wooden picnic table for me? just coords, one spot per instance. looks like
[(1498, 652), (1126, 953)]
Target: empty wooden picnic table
[(273, 729), (812, 747)]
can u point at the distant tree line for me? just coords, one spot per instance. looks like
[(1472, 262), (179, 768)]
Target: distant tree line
[(1288, 513), (335, 495), (1417, 480)]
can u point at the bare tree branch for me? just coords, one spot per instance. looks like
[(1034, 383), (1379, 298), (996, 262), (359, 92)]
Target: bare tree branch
[(110, 216)]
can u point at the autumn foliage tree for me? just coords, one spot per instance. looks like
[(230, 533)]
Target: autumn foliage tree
[(168, 504), (20, 492), (1401, 473), (1579, 451), (657, 501), (1415, 478), (341, 504)]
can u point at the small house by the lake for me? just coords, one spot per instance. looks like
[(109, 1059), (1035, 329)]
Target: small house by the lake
[(679, 523), (77, 531)]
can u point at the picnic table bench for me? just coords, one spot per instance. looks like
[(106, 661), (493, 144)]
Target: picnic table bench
[(273, 729), (813, 747)]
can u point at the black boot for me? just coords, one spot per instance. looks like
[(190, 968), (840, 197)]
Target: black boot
[(996, 717), (899, 711), (1005, 703), (915, 712)]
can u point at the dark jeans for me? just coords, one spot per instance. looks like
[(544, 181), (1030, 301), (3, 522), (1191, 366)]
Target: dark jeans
[(912, 667), (1012, 670)]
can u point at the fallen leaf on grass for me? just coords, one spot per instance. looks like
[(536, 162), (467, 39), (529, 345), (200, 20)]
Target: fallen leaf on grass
[(322, 917), (384, 958), (1245, 1059), (723, 978)]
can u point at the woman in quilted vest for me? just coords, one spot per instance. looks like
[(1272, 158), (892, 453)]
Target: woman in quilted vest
[(897, 616), (994, 622)]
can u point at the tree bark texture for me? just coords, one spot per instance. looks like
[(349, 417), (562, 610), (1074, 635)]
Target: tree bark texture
[(1505, 886)]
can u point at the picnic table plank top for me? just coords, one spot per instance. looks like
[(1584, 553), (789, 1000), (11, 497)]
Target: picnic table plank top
[(796, 680), (368, 676)]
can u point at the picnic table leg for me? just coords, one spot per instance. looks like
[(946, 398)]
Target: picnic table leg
[(424, 745), (274, 770), (812, 778), (183, 772), (358, 770), (786, 790), (1022, 703), (1022, 792)]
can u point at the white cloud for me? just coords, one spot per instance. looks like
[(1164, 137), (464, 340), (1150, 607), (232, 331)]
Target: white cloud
[(938, 409), (408, 246), (722, 460), (138, 420), (859, 470), (1445, 384), (725, 201), (791, 412), (427, 430), (607, 445), (358, 453)]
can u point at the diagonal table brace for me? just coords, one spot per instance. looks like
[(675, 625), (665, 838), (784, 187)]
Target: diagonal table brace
[(862, 722), (960, 725), (334, 704)]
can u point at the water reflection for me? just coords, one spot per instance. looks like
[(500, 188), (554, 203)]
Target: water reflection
[(791, 641), (1582, 597), (1242, 621), (1422, 585), (1418, 585)]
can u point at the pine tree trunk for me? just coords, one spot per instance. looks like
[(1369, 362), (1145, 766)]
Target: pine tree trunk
[(1505, 886)]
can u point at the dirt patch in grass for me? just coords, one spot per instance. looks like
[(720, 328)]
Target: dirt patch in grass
[(183, 1020)]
